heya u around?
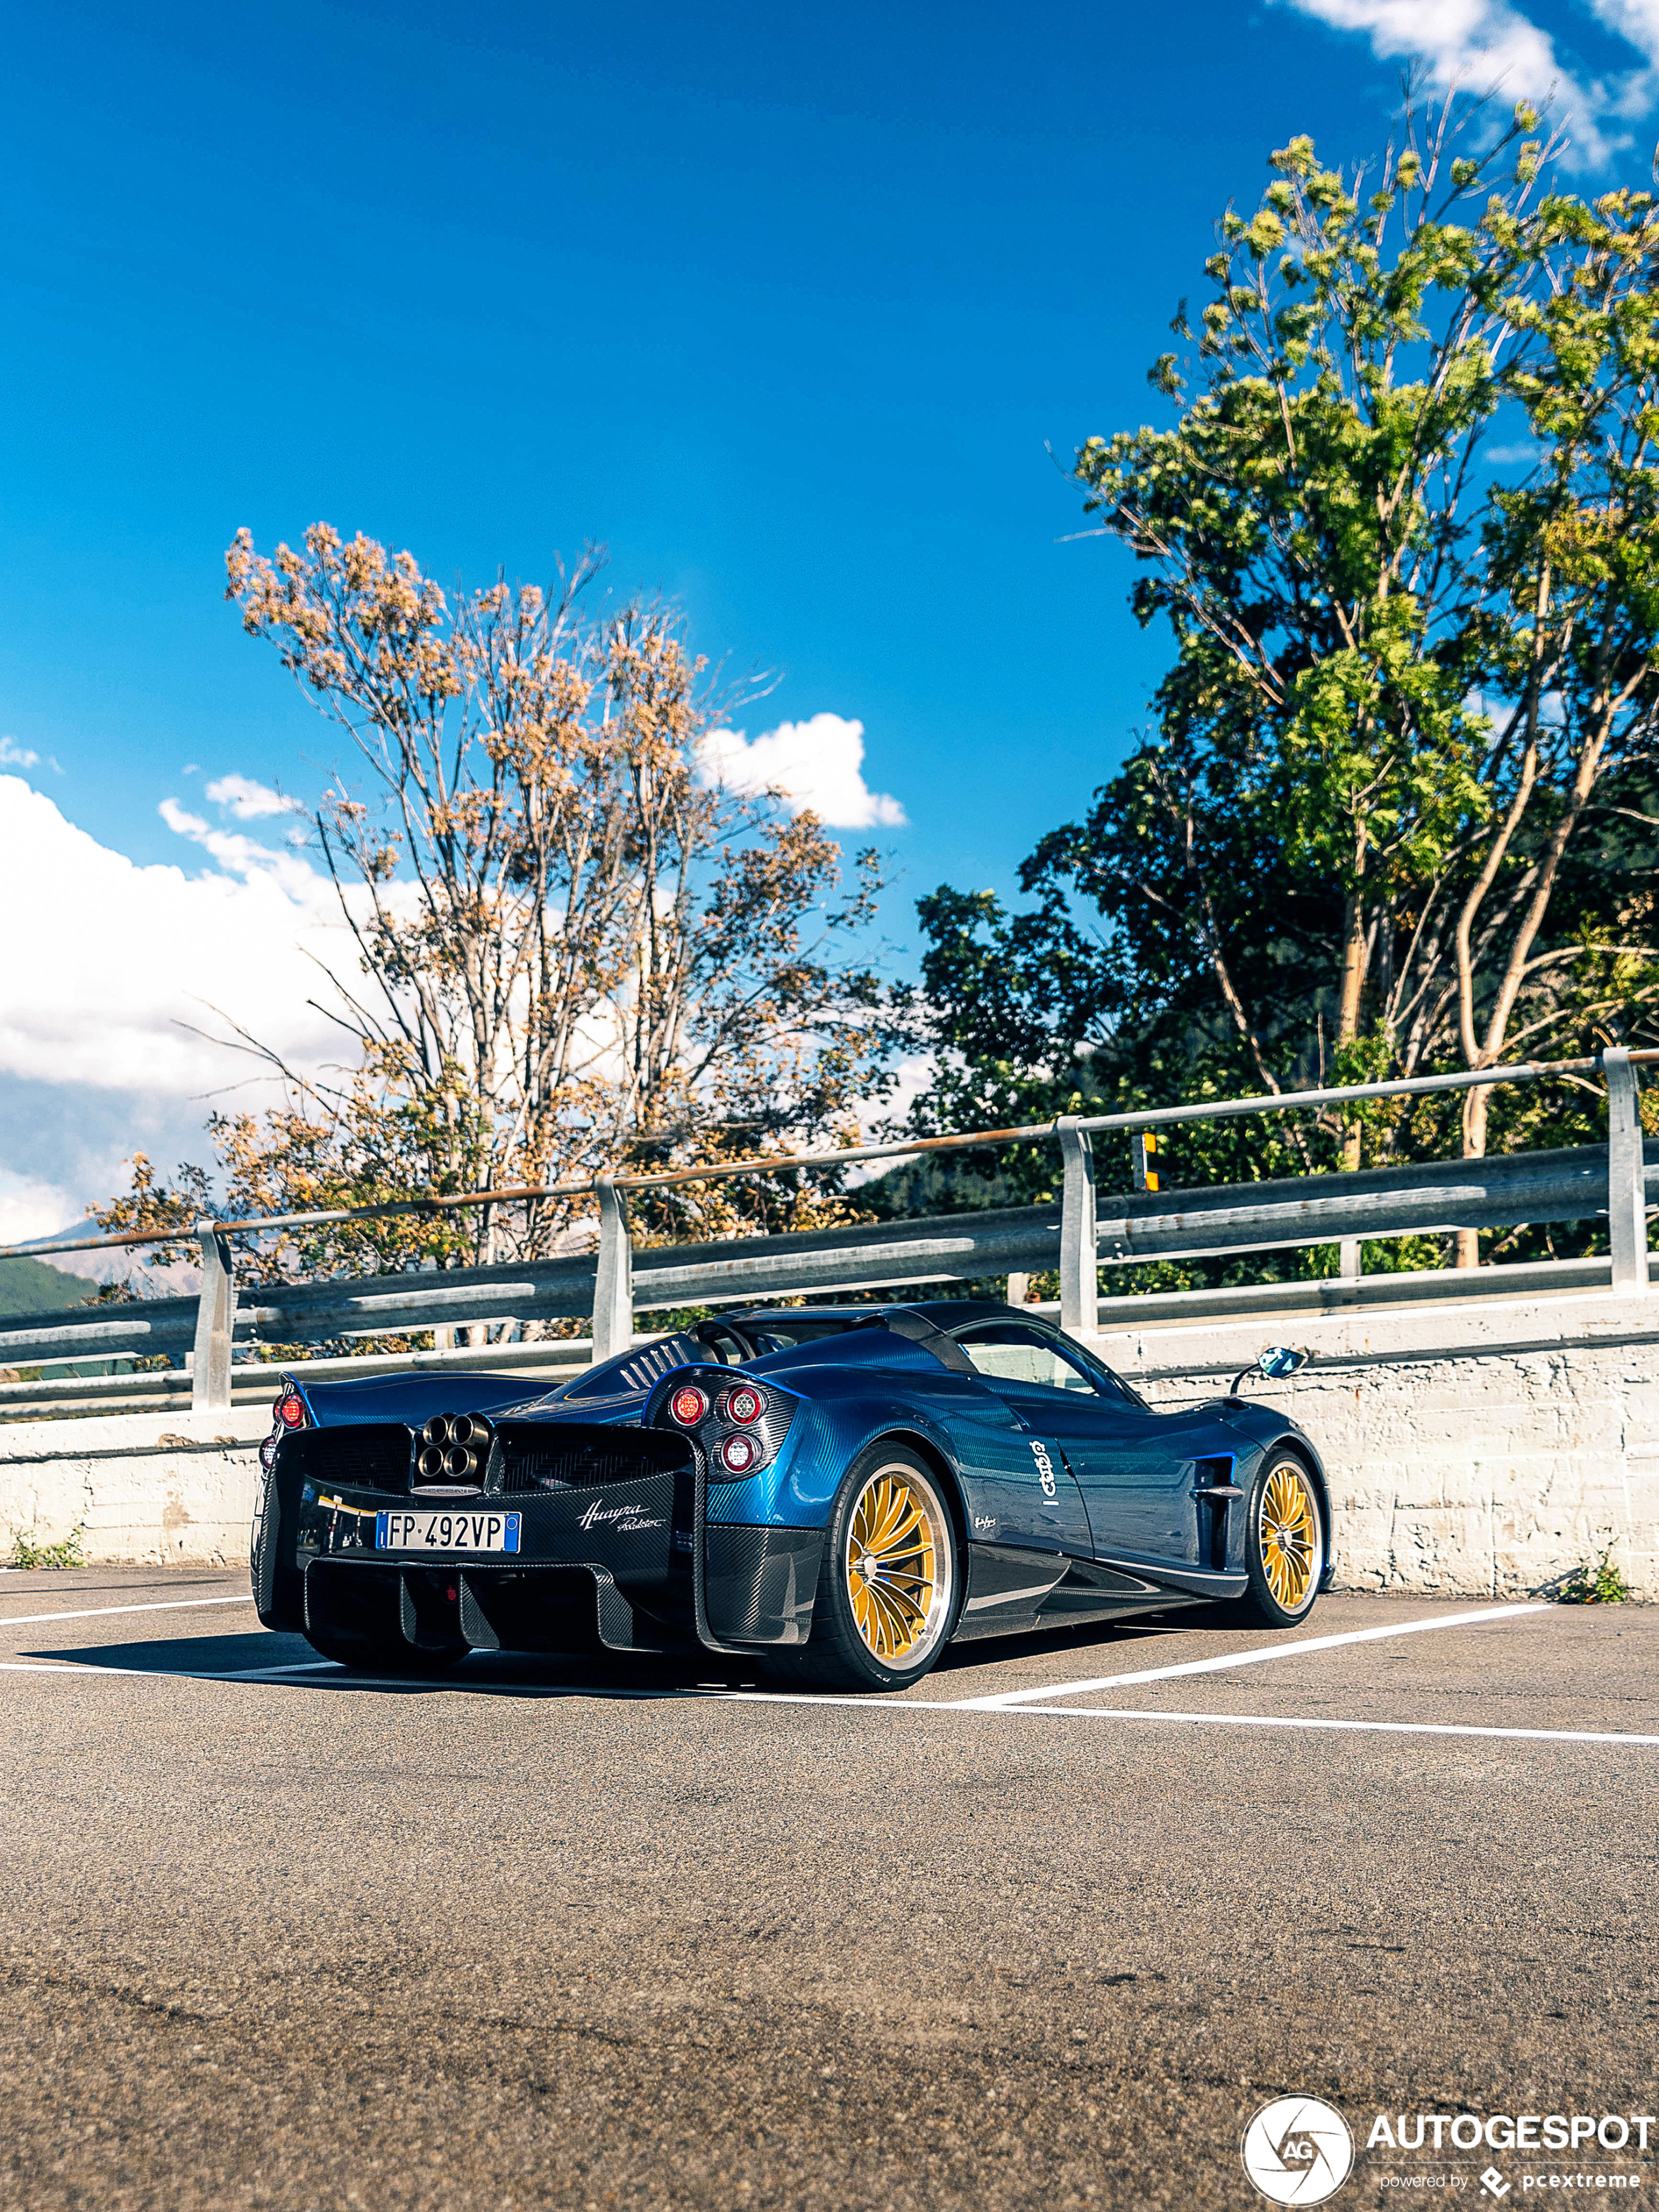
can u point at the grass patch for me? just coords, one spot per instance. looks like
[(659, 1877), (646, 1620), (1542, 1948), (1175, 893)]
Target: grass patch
[(71, 1553), (1599, 1583)]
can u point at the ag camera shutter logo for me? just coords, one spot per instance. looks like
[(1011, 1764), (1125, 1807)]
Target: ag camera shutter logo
[(1298, 2150)]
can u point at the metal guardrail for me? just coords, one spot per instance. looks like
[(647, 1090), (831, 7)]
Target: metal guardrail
[(253, 1382), (1075, 1234)]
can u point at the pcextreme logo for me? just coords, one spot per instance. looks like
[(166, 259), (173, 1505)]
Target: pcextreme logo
[(1298, 2150)]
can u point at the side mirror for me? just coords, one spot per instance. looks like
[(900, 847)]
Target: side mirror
[(1272, 1363), (1280, 1359)]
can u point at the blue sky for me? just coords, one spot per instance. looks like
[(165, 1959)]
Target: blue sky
[(782, 304)]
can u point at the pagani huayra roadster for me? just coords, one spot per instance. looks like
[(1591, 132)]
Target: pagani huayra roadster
[(837, 1493)]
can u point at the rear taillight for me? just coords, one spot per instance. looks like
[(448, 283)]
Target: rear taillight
[(740, 1426), (739, 1454), (287, 1414)]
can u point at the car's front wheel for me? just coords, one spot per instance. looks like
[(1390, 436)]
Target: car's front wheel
[(1284, 1544), (889, 1588)]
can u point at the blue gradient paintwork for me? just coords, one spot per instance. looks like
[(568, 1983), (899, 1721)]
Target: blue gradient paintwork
[(851, 1389)]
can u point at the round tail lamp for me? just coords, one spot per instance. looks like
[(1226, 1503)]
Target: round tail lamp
[(290, 1410), (738, 1454), (743, 1405), (689, 1405)]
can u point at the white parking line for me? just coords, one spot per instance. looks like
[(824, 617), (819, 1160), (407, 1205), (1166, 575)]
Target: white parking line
[(961, 1707), (99, 1612), (1367, 1727), (1006, 1698)]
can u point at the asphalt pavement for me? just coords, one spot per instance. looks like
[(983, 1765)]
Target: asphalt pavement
[(590, 1934)]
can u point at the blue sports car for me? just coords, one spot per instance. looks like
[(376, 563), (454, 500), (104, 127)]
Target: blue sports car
[(838, 1492)]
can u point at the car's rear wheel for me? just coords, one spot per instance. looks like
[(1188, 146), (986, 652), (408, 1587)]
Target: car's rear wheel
[(889, 1588), (379, 1655), (1284, 1544)]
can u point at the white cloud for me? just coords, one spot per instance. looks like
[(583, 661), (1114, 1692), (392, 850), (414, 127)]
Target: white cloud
[(1634, 20), (31, 1207), (12, 755), (108, 958), (818, 763), (1481, 44), (243, 856), (247, 800)]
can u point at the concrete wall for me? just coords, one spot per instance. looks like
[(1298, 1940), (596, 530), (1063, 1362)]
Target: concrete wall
[(168, 1489), (1485, 1451)]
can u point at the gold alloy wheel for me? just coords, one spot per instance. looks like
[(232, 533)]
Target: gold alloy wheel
[(1290, 1535), (897, 1564)]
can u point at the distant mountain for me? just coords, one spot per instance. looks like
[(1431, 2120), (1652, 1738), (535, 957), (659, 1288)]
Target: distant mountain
[(31, 1286), (120, 1263)]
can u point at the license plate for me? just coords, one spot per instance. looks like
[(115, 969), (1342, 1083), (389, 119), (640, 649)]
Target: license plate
[(446, 1531)]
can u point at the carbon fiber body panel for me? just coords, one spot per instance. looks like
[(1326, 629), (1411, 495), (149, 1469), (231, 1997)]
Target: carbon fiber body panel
[(568, 1608), (759, 1584)]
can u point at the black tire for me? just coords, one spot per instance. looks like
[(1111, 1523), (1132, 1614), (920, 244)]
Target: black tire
[(373, 1656), (882, 1627), (1285, 1544), (279, 1591)]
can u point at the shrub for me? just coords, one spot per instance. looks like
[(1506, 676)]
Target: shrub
[(1598, 1583), (71, 1553)]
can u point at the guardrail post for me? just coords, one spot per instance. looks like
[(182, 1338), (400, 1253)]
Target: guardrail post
[(1079, 1270), (215, 1320), (1627, 1198), (613, 1286)]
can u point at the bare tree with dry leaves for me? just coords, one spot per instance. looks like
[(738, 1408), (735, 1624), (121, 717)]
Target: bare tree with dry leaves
[(576, 949)]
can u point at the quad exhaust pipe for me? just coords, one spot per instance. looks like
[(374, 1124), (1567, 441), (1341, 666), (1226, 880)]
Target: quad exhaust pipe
[(453, 1448)]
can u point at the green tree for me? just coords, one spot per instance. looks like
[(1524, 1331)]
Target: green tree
[(1395, 815)]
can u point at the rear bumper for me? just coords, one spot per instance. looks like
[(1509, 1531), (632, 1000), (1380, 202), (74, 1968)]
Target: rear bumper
[(626, 1565), (475, 1608)]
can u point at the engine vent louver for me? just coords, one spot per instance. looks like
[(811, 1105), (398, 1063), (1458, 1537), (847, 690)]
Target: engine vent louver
[(657, 1360), (367, 1454), (538, 1455), (561, 1469)]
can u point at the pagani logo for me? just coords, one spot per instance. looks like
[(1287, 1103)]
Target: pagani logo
[(627, 1517), (1045, 1466), (1298, 2150)]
